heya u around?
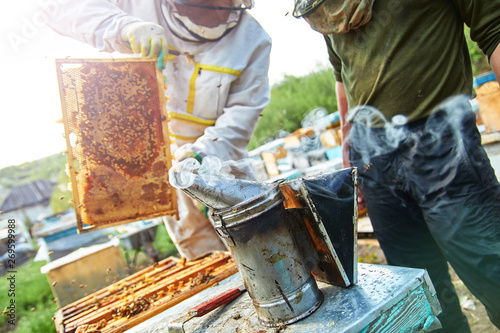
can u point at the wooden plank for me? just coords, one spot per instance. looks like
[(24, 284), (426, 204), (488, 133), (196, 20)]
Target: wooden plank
[(411, 312), (488, 101), (488, 138), (270, 164)]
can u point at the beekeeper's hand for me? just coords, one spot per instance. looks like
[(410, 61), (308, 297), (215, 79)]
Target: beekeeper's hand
[(182, 155), (184, 165), (146, 38)]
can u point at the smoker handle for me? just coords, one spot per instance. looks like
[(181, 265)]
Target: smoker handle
[(223, 298)]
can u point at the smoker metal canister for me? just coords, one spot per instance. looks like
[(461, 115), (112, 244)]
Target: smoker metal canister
[(280, 284)]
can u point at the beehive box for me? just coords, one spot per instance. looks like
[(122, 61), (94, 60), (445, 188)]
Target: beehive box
[(488, 100), (84, 271), (144, 294), (117, 140)]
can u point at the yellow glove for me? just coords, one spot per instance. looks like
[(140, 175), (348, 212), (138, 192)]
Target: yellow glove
[(147, 39)]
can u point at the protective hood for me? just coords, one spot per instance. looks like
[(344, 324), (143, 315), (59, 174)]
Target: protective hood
[(185, 28), (303, 7), (237, 5), (334, 16)]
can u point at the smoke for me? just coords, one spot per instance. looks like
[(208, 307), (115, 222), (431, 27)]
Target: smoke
[(183, 174), (211, 169), (317, 119), (279, 135), (373, 135), (312, 117), (420, 147)]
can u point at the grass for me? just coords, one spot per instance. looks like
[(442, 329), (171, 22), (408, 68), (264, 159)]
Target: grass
[(370, 258), (34, 300), (163, 243)]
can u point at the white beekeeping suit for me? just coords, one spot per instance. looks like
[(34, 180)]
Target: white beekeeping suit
[(213, 100)]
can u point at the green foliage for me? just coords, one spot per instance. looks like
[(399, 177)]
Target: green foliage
[(369, 258), (291, 100), (52, 168), (479, 60), (38, 321), (163, 243), (62, 198), (44, 168), (34, 300)]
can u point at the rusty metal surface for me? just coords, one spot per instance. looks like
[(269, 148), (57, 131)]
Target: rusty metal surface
[(117, 140), (385, 298), (275, 273)]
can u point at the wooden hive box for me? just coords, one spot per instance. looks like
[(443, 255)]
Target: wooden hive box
[(84, 271), (140, 296)]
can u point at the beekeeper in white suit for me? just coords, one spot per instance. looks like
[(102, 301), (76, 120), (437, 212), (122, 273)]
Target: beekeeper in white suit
[(214, 98)]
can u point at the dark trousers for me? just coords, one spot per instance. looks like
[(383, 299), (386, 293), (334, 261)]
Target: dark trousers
[(433, 199)]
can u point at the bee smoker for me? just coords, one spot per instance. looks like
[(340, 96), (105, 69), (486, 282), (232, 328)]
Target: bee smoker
[(286, 235)]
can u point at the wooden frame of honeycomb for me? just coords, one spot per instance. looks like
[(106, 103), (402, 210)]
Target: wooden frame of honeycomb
[(140, 296), (117, 140)]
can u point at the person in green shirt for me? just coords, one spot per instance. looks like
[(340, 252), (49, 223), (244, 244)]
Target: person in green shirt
[(403, 84)]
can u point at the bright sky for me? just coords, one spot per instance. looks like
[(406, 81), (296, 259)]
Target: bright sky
[(30, 104)]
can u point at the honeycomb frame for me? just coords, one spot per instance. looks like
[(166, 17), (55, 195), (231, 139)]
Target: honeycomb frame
[(117, 138)]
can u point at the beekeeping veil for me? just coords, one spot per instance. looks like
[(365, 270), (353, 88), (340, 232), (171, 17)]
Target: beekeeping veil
[(190, 26), (334, 16)]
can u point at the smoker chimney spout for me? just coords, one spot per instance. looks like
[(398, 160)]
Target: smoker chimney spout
[(219, 193)]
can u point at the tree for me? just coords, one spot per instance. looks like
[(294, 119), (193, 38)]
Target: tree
[(62, 197), (478, 59), (291, 99)]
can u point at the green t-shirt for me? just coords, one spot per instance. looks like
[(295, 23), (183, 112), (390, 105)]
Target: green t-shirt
[(413, 54)]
